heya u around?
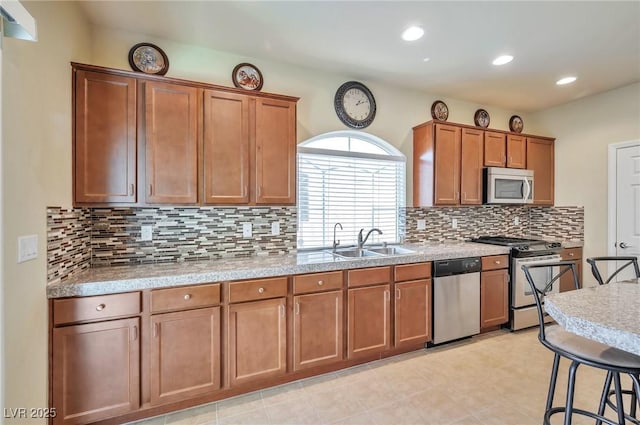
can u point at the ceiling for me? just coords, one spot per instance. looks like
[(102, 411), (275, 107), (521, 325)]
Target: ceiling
[(598, 42)]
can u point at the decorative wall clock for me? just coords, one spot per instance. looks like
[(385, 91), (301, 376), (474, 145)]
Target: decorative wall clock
[(355, 104), (148, 58)]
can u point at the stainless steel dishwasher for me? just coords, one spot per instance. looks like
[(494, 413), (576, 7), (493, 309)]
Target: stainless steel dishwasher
[(456, 299)]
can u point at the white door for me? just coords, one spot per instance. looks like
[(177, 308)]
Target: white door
[(628, 203)]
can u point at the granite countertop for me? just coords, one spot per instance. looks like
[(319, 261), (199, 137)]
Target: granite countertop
[(572, 244), (605, 313), (109, 280)]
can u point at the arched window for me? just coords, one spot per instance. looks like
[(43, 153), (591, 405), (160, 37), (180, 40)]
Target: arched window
[(352, 178)]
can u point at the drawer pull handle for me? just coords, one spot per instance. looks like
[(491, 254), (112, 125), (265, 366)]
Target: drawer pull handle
[(101, 307), (497, 261), (187, 297), (571, 254), (261, 290), (320, 283)]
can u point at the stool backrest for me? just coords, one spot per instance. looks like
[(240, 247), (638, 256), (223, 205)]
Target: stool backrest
[(627, 261), (541, 288)]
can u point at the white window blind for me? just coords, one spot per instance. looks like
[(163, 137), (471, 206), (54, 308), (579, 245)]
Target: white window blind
[(361, 185)]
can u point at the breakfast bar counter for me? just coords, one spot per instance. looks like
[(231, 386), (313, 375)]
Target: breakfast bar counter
[(605, 313)]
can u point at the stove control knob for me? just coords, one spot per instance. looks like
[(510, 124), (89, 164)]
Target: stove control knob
[(524, 248)]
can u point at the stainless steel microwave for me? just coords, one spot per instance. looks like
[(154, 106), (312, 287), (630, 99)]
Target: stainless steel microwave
[(507, 186)]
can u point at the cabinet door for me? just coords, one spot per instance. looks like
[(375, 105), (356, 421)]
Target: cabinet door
[(96, 371), (413, 312), (185, 354), (516, 151), (369, 324), (447, 165), (471, 167), (226, 148), (317, 329), (540, 159), (566, 281), (275, 152), (495, 149), (257, 340), (171, 139), (105, 138), (494, 297)]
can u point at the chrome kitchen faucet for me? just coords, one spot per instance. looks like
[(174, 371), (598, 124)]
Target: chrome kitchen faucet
[(335, 244), (362, 241)]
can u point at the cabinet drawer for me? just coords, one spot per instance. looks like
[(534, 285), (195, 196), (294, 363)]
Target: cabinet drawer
[(185, 297), (495, 262), (260, 289), (412, 272), (371, 276), (101, 307), (317, 282), (571, 253)]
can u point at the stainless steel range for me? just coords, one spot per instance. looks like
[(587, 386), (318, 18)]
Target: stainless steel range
[(522, 309)]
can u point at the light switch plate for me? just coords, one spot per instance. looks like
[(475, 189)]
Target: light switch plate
[(247, 230), (422, 224), (275, 228), (516, 221), (454, 223), (146, 233), (27, 248)]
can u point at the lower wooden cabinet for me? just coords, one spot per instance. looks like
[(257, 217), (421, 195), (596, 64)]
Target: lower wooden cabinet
[(369, 321), (412, 312), (185, 354), (96, 371), (566, 280), (317, 329), (494, 298), (257, 340)]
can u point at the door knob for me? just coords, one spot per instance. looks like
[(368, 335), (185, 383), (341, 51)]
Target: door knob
[(623, 245)]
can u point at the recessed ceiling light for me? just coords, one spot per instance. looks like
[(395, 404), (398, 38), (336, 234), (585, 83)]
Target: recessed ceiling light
[(426, 59), (565, 80), (501, 60), (412, 33)]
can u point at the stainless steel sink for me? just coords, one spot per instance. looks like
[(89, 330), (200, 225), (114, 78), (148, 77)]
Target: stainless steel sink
[(391, 250), (356, 253)]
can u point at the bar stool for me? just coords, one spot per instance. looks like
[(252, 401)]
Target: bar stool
[(579, 350), (627, 262)]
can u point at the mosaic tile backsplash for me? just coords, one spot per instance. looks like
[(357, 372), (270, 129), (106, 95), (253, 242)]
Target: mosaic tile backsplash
[(68, 242), (80, 238)]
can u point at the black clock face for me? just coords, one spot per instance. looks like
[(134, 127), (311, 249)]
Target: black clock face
[(355, 105)]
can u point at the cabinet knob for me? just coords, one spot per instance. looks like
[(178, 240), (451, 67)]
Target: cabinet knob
[(571, 254), (187, 297), (260, 290), (497, 261), (320, 283), (100, 307)]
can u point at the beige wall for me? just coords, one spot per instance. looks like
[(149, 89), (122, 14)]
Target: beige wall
[(36, 172), (398, 109), (583, 131)]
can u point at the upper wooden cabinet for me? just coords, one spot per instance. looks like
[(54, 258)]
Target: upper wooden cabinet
[(495, 149), (516, 151), (226, 148), (447, 165), (105, 143), (197, 143), (171, 143), (448, 159), (540, 159)]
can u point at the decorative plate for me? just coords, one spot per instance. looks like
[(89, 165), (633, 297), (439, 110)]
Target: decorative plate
[(148, 58), (247, 76), (515, 124), (439, 111), (481, 118), (355, 105)]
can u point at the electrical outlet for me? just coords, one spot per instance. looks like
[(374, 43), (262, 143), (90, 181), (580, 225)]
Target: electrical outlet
[(275, 228), (247, 230), (146, 233), (422, 224), (27, 248), (516, 221), (454, 223)]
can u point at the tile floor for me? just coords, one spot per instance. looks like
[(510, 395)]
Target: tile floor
[(496, 378)]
